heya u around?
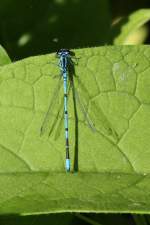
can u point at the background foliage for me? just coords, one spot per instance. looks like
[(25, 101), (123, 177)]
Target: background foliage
[(31, 27), (42, 26)]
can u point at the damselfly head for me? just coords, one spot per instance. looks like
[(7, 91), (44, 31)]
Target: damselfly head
[(65, 52)]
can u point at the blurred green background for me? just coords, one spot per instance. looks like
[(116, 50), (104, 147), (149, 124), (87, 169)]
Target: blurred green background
[(31, 27)]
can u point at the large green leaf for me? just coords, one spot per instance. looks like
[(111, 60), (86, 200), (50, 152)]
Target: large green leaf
[(112, 163)]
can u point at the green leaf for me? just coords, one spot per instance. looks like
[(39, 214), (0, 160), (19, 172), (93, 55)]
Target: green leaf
[(4, 58), (128, 26), (113, 162)]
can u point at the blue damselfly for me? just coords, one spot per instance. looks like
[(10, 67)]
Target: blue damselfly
[(66, 62)]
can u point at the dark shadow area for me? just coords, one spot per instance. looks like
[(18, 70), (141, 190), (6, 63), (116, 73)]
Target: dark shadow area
[(70, 219), (71, 70), (125, 7), (37, 27), (117, 219), (147, 41), (43, 219)]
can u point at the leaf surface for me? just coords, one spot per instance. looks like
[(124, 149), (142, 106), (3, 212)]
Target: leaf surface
[(112, 162)]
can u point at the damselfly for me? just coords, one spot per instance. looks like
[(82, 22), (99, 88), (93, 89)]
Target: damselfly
[(64, 56), (65, 63)]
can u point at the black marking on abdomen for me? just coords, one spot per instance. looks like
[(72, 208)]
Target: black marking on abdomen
[(67, 148)]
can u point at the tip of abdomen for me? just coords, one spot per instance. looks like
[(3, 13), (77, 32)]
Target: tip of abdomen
[(67, 165)]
